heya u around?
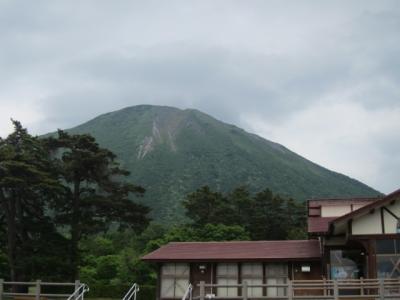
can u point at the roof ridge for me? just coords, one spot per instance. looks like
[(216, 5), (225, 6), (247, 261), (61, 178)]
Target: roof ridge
[(225, 242), (347, 199)]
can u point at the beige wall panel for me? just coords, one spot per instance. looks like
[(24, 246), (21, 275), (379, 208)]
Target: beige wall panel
[(368, 224), (391, 221), (335, 211)]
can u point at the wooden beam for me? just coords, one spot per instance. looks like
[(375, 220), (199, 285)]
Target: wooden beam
[(350, 227), (371, 259), (390, 212), (382, 220), (158, 296)]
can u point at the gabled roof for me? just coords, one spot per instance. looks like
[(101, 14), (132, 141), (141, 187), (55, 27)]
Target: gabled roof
[(318, 225), (237, 251), (366, 209)]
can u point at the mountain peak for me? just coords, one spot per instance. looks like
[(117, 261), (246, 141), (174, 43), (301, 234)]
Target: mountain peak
[(172, 151)]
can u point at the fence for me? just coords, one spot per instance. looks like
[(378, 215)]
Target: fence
[(306, 289), (39, 290)]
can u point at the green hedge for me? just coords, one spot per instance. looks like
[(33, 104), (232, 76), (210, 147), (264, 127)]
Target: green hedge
[(147, 292)]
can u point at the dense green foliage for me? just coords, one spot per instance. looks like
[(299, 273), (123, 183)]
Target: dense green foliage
[(53, 193), (260, 215), (173, 152)]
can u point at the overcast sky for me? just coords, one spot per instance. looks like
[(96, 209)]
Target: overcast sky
[(320, 77)]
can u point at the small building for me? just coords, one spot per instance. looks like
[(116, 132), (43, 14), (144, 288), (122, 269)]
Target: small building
[(349, 239)]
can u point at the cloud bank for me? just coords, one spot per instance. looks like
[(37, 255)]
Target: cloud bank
[(321, 78)]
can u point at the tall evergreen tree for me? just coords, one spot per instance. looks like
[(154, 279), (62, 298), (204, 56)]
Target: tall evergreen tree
[(28, 186), (96, 194), (269, 221), (205, 206), (241, 206)]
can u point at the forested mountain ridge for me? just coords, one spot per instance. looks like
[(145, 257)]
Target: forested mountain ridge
[(172, 152)]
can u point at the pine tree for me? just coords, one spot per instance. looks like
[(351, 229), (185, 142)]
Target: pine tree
[(205, 206), (96, 195), (28, 186)]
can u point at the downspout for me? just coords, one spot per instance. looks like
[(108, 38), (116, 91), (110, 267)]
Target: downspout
[(321, 252), (212, 278)]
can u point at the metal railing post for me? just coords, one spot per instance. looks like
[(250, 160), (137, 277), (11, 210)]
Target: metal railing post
[(38, 289), (1, 288), (244, 290), (202, 290), (325, 288), (335, 290), (362, 286), (290, 290), (77, 286), (381, 289)]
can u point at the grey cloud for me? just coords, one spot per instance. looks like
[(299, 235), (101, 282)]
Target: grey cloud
[(268, 59)]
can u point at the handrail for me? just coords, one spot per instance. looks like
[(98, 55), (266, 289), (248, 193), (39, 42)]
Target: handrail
[(132, 292), (311, 289), (41, 283), (9, 289), (188, 292), (79, 293)]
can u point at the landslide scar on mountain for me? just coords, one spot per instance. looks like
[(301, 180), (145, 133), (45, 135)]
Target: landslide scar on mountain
[(145, 147)]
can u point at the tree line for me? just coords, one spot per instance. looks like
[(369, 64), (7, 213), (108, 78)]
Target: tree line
[(68, 211)]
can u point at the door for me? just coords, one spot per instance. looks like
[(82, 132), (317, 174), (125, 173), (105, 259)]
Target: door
[(307, 271), (201, 272)]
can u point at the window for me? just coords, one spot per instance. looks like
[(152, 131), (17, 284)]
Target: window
[(346, 264), (252, 273), (385, 247), (227, 274), (276, 273), (388, 266), (388, 258), (174, 280)]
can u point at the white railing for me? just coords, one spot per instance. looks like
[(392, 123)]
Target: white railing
[(79, 293), (188, 293), (37, 290), (132, 292), (371, 289)]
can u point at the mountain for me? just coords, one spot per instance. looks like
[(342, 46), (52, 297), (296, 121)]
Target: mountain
[(171, 152)]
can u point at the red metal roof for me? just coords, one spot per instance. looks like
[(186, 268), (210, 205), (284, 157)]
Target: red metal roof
[(236, 251), (319, 224)]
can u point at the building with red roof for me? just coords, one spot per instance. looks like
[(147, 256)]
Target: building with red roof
[(348, 239)]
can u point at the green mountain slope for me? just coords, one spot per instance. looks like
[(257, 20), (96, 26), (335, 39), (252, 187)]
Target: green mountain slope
[(172, 152)]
